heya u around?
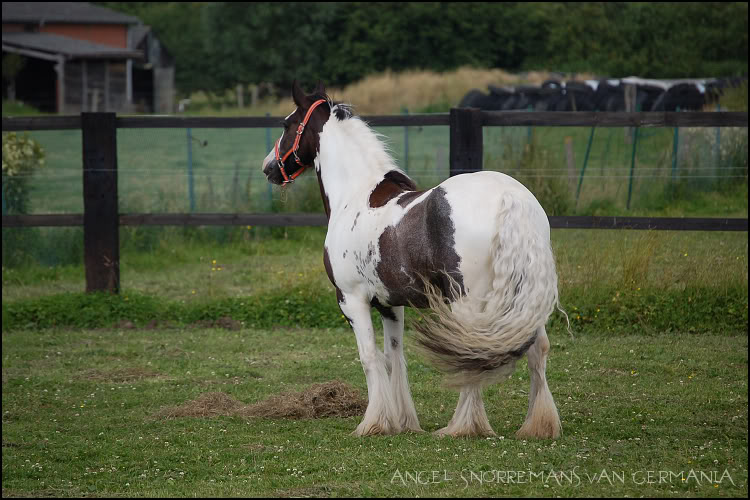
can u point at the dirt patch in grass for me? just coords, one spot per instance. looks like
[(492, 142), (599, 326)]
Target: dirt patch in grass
[(121, 375), (329, 399), (224, 322)]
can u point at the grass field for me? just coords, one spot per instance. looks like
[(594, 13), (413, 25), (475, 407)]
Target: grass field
[(651, 387), (642, 416)]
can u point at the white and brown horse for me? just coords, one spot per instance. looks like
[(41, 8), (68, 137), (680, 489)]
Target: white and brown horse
[(475, 249)]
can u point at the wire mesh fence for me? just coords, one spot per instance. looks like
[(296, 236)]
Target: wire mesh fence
[(572, 170), (219, 170)]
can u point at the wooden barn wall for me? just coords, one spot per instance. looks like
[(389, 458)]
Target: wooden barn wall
[(104, 92)]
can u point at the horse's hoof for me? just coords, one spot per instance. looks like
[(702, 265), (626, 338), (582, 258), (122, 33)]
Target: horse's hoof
[(546, 432), (416, 430), (410, 425), (374, 429), (447, 431)]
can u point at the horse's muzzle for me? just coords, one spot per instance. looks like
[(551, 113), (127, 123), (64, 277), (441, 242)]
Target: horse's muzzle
[(273, 175)]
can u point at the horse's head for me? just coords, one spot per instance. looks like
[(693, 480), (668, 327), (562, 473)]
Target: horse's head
[(298, 145)]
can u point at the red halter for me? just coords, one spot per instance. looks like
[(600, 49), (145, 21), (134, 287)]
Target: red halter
[(295, 147)]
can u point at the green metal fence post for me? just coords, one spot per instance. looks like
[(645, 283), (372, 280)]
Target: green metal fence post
[(675, 150), (268, 148), (191, 187), (632, 166), (406, 144), (5, 207), (717, 148), (585, 162)]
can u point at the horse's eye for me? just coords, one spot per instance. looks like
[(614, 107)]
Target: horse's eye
[(285, 125)]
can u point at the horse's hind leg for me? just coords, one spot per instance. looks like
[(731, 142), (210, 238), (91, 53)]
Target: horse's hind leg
[(470, 418), (542, 420), (393, 330), (381, 416)]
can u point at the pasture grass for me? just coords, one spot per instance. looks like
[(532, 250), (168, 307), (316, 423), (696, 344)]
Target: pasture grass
[(178, 264), (609, 281), (659, 416)]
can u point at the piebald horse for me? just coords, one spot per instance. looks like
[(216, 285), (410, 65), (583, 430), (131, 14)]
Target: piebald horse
[(474, 249)]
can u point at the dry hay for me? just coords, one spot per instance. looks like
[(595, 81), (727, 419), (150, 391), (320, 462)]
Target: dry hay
[(208, 404), (329, 399)]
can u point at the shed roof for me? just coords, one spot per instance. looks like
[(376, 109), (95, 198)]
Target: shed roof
[(63, 12), (50, 43)]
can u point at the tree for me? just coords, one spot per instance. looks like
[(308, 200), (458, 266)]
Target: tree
[(219, 45)]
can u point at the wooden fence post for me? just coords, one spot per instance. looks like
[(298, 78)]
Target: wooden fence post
[(101, 222), (466, 141)]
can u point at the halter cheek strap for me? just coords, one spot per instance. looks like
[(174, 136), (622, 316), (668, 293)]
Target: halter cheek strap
[(301, 128)]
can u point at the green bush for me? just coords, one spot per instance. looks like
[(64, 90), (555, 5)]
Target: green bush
[(22, 155)]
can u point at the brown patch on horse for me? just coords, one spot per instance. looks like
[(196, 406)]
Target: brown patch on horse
[(393, 184), (422, 244), (385, 312), (323, 195), (407, 198), (329, 271)]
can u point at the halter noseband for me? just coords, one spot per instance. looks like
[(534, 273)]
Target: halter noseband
[(295, 147)]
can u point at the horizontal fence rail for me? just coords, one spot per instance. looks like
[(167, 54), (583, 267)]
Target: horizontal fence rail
[(101, 221), (489, 118), (306, 219)]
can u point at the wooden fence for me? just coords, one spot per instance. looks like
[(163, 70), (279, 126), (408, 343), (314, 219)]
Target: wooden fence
[(101, 219)]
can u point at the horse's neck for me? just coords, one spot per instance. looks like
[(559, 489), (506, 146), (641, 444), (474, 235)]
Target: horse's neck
[(352, 161)]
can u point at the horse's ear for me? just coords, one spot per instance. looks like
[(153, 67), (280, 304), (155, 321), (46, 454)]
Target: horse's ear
[(300, 99), (320, 88)]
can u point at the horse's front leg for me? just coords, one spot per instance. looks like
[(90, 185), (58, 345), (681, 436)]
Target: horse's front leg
[(381, 416), (393, 346)]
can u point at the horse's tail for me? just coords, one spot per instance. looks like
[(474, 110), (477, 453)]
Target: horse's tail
[(477, 340)]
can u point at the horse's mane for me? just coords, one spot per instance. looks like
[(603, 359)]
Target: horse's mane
[(340, 110), (372, 141)]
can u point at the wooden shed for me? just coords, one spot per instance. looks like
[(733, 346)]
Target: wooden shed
[(81, 57)]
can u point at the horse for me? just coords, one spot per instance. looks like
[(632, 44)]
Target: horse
[(474, 252)]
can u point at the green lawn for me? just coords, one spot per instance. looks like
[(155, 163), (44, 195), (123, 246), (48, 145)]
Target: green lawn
[(642, 416), (652, 388)]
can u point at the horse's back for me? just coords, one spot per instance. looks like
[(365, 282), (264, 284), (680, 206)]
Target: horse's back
[(477, 198)]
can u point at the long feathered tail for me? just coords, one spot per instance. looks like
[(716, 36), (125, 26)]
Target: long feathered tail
[(476, 340)]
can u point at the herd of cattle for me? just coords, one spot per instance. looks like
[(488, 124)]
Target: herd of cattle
[(626, 94)]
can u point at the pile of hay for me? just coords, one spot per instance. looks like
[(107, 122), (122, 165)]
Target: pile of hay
[(329, 399)]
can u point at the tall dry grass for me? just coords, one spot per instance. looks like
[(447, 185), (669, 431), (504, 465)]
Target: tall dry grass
[(390, 93), (386, 93)]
